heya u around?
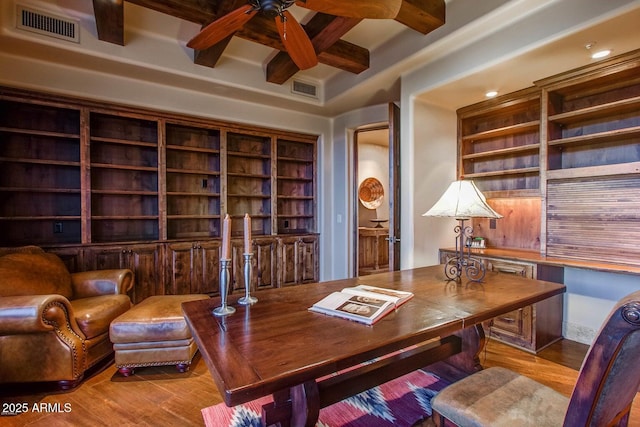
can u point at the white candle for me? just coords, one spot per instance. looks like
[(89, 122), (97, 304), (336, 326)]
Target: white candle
[(247, 234), (226, 237)]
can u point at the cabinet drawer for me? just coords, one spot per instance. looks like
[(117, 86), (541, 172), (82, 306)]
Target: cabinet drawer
[(520, 269), (516, 325)]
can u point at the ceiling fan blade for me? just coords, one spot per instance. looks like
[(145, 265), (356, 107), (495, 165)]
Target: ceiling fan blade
[(296, 41), (366, 9), (221, 28)]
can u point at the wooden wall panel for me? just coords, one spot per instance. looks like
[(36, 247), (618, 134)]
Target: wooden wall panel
[(518, 229)]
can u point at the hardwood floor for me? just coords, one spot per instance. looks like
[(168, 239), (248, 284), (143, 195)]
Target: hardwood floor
[(162, 396)]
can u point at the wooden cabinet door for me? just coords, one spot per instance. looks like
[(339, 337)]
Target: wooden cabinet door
[(236, 270), (288, 261), (208, 269), (264, 263), (298, 260), (144, 260), (193, 268), (181, 259), (517, 326), (72, 257), (308, 255)]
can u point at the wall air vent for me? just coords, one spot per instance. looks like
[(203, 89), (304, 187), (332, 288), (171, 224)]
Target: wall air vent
[(306, 89), (47, 24)]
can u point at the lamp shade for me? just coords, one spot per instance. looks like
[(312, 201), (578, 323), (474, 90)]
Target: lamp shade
[(462, 200)]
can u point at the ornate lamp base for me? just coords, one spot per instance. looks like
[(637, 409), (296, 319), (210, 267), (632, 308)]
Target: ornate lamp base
[(474, 268)]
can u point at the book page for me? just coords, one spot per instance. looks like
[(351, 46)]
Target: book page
[(380, 293), (363, 308)]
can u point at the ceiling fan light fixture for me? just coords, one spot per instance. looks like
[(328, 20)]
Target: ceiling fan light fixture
[(272, 8)]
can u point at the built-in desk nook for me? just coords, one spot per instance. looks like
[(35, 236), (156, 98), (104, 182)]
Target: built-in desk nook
[(534, 327)]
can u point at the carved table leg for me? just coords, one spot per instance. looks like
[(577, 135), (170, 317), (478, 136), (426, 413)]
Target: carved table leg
[(296, 407), (468, 360)]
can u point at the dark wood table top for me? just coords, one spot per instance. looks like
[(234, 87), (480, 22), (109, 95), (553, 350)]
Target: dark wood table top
[(277, 343)]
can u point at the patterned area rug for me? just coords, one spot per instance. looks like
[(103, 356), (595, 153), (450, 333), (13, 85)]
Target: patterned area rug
[(400, 402)]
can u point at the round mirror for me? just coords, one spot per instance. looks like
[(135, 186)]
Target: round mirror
[(370, 193)]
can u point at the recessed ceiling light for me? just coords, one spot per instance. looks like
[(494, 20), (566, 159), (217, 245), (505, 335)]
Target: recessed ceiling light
[(491, 94), (601, 54)]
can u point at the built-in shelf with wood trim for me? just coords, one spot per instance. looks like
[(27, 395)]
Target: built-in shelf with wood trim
[(591, 121), (249, 176), (192, 181), (40, 182), (124, 178), (499, 143), (296, 186), (110, 186)]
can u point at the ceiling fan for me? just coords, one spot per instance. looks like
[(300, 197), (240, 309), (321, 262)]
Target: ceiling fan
[(294, 38)]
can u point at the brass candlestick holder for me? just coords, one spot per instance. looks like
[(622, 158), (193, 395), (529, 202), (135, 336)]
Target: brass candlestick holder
[(247, 299), (224, 309)]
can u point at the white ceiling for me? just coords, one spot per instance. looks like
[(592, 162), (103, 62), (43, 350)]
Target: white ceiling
[(155, 50)]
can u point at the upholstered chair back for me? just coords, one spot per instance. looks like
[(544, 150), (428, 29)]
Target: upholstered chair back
[(34, 273), (610, 374)]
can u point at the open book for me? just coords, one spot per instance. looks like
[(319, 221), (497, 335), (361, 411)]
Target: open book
[(363, 303)]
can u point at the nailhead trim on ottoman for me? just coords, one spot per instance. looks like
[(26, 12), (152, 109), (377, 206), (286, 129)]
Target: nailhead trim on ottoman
[(154, 333)]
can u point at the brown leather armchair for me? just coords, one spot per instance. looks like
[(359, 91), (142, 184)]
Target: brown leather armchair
[(55, 325)]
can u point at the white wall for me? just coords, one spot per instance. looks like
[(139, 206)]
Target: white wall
[(342, 217), (428, 167), (589, 298), (373, 161)]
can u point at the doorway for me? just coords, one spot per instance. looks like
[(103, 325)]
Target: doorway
[(377, 201)]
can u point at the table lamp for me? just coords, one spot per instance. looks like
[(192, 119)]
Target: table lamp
[(463, 201)]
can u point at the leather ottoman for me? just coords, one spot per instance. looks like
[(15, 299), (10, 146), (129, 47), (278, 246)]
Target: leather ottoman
[(154, 333)]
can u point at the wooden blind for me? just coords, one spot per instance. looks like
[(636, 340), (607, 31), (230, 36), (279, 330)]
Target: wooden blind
[(595, 218)]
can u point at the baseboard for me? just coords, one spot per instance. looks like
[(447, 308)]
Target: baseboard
[(579, 333)]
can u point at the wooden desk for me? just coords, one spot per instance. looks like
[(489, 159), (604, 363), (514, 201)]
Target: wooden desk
[(278, 347)]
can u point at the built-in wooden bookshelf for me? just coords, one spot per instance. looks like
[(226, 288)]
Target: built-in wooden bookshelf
[(591, 124), (296, 177), (592, 120), (40, 182), (110, 186), (192, 181), (499, 143), (249, 176), (124, 178), (573, 141)]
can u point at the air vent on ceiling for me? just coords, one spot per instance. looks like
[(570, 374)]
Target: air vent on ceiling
[(306, 89), (47, 24)]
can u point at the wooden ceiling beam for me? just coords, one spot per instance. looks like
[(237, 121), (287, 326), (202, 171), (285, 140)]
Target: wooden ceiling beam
[(199, 11), (344, 55), (324, 31), (210, 57), (423, 16), (109, 21)]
